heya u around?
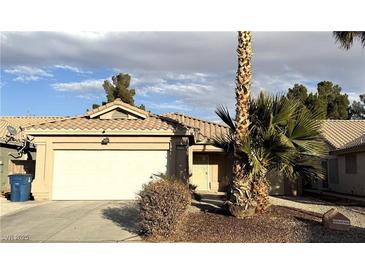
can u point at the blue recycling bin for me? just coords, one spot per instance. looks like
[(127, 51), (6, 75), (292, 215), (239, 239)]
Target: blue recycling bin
[(20, 186)]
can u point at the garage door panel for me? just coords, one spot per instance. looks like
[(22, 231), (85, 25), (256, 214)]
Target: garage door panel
[(103, 174)]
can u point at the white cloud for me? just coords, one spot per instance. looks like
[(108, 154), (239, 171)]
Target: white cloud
[(91, 85), (191, 93), (195, 68), (89, 96), (197, 76), (353, 96), (88, 35), (27, 73), (73, 69), (177, 88), (177, 105)]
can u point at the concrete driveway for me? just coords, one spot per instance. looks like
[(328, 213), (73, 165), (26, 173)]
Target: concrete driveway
[(72, 221)]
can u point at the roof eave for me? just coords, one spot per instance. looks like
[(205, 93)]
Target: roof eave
[(107, 132), (360, 148), (15, 143)]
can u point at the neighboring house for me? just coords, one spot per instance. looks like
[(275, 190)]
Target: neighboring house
[(111, 151), (345, 163), (10, 163)]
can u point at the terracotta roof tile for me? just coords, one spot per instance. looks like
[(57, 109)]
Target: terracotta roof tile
[(153, 122), (340, 133), (207, 130), (360, 141), (20, 122)]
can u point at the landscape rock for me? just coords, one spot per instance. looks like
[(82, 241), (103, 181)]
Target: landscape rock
[(333, 219)]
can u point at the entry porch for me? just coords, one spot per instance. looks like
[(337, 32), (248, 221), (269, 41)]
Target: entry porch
[(211, 168)]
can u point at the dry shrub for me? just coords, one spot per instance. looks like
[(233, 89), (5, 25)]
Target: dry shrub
[(260, 193), (162, 204)]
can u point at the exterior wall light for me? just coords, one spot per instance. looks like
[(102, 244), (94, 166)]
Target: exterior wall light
[(105, 141)]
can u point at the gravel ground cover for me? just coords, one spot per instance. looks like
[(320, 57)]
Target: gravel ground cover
[(356, 214), (290, 220), (279, 225)]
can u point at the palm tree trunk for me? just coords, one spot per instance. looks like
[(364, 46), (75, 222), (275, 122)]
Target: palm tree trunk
[(241, 204)]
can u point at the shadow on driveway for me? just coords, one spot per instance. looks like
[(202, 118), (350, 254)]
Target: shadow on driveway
[(125, 216)]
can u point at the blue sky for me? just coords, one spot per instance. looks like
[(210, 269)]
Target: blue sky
[(57, 73)]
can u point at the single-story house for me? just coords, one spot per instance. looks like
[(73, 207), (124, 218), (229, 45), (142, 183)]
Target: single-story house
[(345, 162), (111, 151), (10, 161)]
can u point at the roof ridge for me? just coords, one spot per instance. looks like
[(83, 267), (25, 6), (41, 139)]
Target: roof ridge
[(194, 118)]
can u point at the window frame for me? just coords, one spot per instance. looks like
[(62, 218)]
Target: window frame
[(351, 164)]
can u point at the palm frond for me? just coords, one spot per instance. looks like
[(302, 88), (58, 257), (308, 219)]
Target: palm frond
[(223, 113), (346, 38), (224, 142), (284, 110), (282, 136)]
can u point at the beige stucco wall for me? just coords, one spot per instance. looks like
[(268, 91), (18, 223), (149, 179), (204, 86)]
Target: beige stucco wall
[(350, 183), (42, 185)]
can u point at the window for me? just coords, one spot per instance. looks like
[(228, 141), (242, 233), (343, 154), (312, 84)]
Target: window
[(351, 164), (333, 171), (324, 165)]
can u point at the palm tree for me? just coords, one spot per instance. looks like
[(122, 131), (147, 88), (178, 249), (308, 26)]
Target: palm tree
[(281, 136), (241, 204), (346, 38)]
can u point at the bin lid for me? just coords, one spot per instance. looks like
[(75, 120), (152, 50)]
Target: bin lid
[(20, 174)]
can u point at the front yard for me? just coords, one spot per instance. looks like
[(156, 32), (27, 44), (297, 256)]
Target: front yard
[(206, 223), (280, 225), (293, 220)]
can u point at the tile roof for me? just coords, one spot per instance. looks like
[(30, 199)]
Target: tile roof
[(92, 123), (355, 143), (117, 102), (83, 123), (19, 123), (207, 130), (343, 133), (340, 134)]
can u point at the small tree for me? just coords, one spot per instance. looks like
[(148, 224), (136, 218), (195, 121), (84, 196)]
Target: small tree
[(119, 88)]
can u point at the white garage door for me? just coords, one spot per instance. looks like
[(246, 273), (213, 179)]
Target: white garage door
[(103, 174)]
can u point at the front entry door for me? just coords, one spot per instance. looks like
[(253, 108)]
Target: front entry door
[(201, 171)]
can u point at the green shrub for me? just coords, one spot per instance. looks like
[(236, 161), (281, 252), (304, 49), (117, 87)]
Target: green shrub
[(162, 204)]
